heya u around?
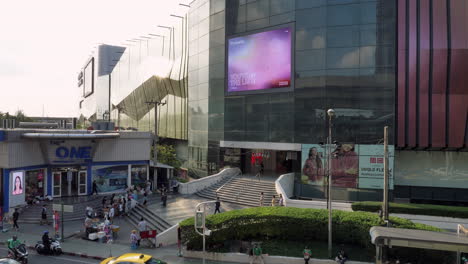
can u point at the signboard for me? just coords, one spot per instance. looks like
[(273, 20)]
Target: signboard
[(353, 165), (17, 182), (69, 151), (260, 61)]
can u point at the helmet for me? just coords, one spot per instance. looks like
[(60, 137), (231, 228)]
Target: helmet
[(46, 232)]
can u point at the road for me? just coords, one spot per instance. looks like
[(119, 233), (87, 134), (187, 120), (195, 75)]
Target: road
[(34, 258)]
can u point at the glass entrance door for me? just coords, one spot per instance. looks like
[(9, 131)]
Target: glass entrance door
[(57, 176), (82, 182)]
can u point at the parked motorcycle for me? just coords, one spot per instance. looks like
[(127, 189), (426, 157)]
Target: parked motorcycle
[(20, 253), (55, 248)]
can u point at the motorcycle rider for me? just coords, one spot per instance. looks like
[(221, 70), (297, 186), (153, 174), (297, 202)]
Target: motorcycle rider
[(13, 243), (46, 241)]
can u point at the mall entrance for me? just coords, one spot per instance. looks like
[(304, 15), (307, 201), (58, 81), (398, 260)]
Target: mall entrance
[(35, 184), (275, 162), (69, 182)]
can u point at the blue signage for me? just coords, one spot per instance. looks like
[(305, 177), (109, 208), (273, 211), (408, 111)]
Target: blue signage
[(73, 152)]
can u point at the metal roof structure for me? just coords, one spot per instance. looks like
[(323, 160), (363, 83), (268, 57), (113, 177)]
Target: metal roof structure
[(400, 237)]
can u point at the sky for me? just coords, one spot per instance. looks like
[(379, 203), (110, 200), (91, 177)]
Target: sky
[(45, 43)]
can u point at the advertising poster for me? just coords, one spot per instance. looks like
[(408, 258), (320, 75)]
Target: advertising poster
[(371, 166), (260, 61), (110, 178), (313, 164), (18, 184), (353, 166)]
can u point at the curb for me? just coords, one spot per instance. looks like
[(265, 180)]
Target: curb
[(75, 254)]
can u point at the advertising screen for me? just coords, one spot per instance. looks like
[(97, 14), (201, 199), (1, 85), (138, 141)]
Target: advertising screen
[(260, 61), (89, 78), (18, 184)]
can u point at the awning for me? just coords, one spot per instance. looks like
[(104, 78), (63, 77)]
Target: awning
[(410, 238), (70, 135), (162, 165)]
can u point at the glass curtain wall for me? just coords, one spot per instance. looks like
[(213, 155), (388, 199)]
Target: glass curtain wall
[(153, 68), (344, 59)]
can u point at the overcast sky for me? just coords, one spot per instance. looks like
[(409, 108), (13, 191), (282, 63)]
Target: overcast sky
[(44, 44)]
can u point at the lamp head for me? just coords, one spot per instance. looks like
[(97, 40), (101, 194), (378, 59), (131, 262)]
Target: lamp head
[(331, 112)]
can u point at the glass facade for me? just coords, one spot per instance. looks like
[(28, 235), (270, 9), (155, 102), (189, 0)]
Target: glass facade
[(153, 69), (344, 59)]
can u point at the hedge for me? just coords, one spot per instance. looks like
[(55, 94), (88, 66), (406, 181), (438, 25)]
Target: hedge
[(415, 209), (287, 223)]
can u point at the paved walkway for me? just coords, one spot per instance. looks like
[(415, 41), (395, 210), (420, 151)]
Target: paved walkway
[(182, 207)]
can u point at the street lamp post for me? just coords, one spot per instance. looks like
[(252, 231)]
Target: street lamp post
[(331, 114), (155, 141)]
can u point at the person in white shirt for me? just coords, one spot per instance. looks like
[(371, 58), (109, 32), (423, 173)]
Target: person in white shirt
[(111, 214), (142, 226)]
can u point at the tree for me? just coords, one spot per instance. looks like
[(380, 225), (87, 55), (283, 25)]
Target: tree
[(167, 155)]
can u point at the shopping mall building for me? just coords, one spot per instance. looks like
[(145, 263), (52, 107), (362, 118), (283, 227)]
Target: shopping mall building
[(245, 82)]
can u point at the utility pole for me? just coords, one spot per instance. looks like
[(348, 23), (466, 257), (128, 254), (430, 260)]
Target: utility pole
[(155, 141), (385, 191), (331, 114)]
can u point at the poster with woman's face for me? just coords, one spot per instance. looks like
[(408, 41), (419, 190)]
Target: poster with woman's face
[(312, 164), (18, 183)]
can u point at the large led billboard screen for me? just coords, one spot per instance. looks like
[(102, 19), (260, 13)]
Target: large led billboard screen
[(260, 61)]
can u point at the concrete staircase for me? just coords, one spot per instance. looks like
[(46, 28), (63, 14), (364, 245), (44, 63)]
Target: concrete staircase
[(154, 221), (31, 214), (241, 190)]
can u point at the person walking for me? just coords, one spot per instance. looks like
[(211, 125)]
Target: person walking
[(281, 200), (15, 219), (142, 226), (111, 214), (145, 199), (44, 215), (307, 254), (257, 254), (273, 201), (164, 198), (104, 202), (94, 188), (217, 205), (262, 198), (134, 240)]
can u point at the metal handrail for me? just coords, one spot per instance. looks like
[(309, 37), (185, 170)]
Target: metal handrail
[(222, 186)]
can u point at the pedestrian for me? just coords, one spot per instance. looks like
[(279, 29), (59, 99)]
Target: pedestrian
[(145, 199), (217, 205), (15, 219), (273, 201), (142, 226), (307, 254), (262, 198), (134, 240), (341, 257), (164, 198), (94, 188), (104, 202), (112, 199), (257, 254), (121, 209), (125, 205), (281, 201), (111, 214), (44, 215)]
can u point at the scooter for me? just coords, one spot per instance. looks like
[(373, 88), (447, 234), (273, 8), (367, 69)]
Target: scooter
[(20, 254), (55, 248)]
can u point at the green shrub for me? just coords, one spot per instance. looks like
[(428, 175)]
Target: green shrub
[(415, 209), (288, 224)]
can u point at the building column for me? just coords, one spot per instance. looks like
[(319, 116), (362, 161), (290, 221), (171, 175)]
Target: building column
[(6, 190), (129, 178), (89, 178)]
